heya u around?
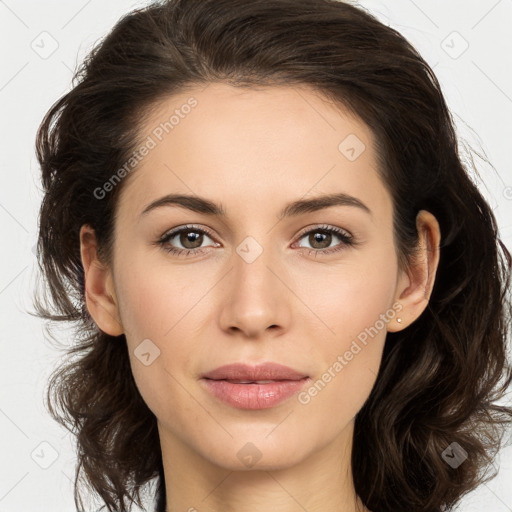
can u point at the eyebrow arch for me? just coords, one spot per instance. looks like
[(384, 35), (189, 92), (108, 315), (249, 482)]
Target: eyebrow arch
[(205, 206)]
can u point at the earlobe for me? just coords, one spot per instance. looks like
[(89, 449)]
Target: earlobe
[(416, 284), (100, 296)]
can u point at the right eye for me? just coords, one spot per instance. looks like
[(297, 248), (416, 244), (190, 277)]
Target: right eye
[(190, 237)]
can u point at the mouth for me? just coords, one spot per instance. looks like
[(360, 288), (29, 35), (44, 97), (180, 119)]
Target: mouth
[(253, 395), (241, 373), (233, 381)]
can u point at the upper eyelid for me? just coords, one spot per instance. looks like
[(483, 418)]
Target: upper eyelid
[(174, 231), (320, 227)]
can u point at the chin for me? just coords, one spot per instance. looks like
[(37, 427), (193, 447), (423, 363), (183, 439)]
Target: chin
[(256, 453)]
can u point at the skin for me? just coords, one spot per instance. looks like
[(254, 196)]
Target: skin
[(254, 151)]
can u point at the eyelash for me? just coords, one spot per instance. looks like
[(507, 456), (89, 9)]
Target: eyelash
[(346, 240)]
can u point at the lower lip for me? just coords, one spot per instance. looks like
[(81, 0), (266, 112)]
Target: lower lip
[(254, 396)]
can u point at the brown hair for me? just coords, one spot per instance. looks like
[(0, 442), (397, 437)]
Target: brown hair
[(440, 377)]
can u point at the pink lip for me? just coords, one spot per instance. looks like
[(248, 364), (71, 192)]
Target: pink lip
[(264, 371), (286, 382)]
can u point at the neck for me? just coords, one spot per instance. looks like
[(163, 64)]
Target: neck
[(322, 481)]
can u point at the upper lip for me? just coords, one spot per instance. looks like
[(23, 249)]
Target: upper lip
[(264, 371)]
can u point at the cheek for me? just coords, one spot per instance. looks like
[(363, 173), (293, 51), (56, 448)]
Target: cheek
[(349, 298), (348, 361), (354, 306), (162, 305), (336, 396), (155, 299)]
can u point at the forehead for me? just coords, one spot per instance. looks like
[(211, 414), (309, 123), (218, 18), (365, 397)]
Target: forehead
[(246, 143)]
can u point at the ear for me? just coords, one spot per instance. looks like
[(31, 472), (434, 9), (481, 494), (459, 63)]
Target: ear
[(415, 284), (100, 295)]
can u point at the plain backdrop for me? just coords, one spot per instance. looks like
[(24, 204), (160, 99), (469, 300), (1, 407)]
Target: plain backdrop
[(468, 44)]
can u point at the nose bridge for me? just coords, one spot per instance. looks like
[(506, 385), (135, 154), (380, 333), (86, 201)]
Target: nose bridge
[(252, 262), (254, 296)]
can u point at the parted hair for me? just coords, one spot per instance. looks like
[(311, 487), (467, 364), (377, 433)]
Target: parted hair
[(441, 378)]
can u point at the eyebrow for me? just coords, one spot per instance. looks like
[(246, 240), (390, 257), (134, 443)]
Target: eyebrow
[(295, 208)]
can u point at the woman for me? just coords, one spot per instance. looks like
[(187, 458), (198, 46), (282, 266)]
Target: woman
[(287, 292)]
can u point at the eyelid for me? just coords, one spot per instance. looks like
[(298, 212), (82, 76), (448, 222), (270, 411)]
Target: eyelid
[(179, 229), (320, 227)]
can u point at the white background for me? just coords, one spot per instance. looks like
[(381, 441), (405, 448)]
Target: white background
[(477, 82)]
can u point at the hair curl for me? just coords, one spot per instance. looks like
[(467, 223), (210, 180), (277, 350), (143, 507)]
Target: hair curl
[(440, 378)]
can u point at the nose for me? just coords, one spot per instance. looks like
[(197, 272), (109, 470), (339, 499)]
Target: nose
[(255, 298)]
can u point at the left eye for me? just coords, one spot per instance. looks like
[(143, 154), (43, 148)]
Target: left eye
[(191, 239)]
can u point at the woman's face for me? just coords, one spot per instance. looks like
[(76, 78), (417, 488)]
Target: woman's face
[(256, 286)]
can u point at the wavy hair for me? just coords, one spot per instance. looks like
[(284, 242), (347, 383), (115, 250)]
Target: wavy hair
[(441, 378)]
